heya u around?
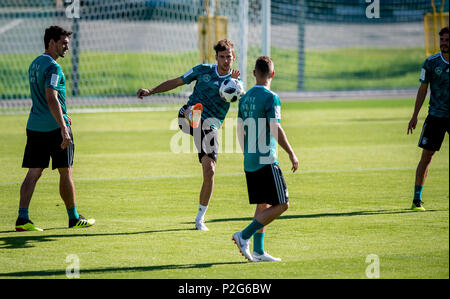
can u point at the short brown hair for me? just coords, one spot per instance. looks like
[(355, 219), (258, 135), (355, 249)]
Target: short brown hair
[(54, 33), (264, 66), (223, 45), (443, 31)]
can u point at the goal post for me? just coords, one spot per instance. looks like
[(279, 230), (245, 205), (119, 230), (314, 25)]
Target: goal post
[(119, 46)]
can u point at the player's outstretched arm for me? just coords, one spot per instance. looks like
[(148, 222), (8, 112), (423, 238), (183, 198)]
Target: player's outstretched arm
[(277, 130), (163, 87), (420, 99)]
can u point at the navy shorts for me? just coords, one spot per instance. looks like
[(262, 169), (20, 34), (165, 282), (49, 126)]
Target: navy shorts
[(267, 185), (433, 133), (41, 146)]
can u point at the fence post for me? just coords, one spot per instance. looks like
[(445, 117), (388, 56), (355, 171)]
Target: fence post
[(75, 56), (266, 15), (243, 43), (301, 44)]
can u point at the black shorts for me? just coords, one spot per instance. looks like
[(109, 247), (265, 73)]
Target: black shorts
[(43, 145), (205, 137), (433, 133), (267, 185)]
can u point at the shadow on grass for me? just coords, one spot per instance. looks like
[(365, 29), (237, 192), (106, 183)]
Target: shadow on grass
[(320, 215), (405, 119), (27, 241), (48, 273)]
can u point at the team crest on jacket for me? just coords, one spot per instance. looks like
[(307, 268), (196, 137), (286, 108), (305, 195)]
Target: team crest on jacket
[(206, 78)]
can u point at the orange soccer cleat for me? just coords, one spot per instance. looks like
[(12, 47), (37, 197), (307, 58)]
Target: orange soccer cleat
[(196, 115)]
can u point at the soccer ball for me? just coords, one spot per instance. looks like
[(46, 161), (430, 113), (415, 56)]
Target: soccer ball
[(231, 90)]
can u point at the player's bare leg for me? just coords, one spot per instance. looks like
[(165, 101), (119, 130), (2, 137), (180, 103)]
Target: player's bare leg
[(67, 187), (208, 166), (259, 209), (421, 176), (23, 222), (28, 186), (265, 213), (423, 167), (266, 216), (67, 192)]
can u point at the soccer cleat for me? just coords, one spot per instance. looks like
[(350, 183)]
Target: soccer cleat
[(265, 257), (195, 115), (417, 206), (243, 246), (23, 225), (81, 222), (200, 225)]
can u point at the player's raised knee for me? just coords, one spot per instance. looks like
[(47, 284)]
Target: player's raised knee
[(284, 206)]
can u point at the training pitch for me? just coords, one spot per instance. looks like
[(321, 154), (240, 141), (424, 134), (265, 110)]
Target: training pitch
[(349, 213)]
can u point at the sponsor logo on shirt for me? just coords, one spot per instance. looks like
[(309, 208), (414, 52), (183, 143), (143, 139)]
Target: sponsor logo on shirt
[(278, 112), (422, 74), (54, 80)]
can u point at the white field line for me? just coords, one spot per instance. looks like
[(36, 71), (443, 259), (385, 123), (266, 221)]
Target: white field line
[(122, 109), (99, 110), (156, 177), (10, 25)]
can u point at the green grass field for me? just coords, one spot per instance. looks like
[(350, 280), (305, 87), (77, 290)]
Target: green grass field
[(104, 73), (350, 199)]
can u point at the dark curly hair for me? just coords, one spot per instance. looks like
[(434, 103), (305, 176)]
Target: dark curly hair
[(55, 33)]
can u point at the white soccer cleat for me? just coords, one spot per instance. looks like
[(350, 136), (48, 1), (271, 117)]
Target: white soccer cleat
[(243, 246), (200, 225), (265, 257)]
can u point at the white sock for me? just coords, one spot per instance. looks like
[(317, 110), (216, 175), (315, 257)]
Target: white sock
[(201, 212)]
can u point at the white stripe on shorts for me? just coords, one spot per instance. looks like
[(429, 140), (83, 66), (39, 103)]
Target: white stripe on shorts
[(423, 131), (279, 185)]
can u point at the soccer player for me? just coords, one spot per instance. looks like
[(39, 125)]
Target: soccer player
[(48, 131), (434, 73), (203, 114), (259, 130)]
